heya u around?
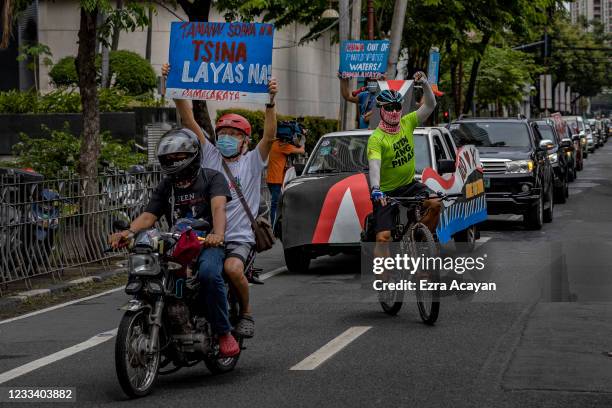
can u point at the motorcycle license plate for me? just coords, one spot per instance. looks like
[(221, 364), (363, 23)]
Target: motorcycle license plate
[(487, 182)]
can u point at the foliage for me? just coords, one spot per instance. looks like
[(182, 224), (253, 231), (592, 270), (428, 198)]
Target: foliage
[(35, 54), (50, 156), (132, 73), (63, 73), (112, 100), (503, 76), (317, 126)]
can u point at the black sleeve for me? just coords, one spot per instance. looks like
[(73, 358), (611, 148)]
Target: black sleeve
[(160, 199), (217, 185)]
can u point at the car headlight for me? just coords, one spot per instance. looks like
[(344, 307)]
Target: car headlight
[(143, 264), (583, 141), (519, 166), (553, 158)]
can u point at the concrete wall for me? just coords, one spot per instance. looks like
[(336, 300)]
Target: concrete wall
[(306, 74)]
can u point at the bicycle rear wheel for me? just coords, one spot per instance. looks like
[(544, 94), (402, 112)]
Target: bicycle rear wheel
[(427, 281)]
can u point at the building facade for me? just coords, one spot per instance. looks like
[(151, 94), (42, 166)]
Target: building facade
[(597, 10), (306, 73)]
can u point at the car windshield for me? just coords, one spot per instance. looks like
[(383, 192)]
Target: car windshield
[(338, 154), (491, 134)]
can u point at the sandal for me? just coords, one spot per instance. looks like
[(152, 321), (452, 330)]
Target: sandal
[(245, 326)]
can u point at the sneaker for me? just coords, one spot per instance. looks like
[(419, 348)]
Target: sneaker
[(228, 346), (245, 327)]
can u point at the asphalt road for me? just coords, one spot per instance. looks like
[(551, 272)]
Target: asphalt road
[(317, 344)]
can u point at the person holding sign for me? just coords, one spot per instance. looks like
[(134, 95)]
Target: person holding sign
[(392, 163), (366, 100), (231, 154)]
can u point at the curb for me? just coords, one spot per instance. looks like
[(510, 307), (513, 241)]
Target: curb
[(14, 301)]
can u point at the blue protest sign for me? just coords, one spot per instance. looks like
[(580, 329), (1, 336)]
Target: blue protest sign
[(434, 65), (220, 61), (363, 58)]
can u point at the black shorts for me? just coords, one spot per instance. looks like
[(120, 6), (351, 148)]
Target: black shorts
[(384, 217)]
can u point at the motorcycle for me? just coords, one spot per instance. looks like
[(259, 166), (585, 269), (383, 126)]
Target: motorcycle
[(163, 324)]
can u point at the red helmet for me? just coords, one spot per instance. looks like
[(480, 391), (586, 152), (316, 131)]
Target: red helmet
[(234, 121)]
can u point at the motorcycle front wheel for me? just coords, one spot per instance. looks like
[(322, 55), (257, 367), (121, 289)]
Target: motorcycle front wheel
[(136, 369)]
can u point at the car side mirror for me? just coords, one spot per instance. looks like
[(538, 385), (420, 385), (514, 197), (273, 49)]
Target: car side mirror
[(546, 144), (299, 168), (446, 166), (566, 142), (576, 138)]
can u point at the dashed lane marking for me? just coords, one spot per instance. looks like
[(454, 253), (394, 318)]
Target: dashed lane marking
[(330, 349)]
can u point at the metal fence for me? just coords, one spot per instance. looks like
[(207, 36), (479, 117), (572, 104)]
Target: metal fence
[(48, 226)]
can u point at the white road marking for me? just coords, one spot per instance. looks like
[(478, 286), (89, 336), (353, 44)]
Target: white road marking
[(483, 240), (72, 302), (515, 217), (327, 351), (264, 276), (52, 358)]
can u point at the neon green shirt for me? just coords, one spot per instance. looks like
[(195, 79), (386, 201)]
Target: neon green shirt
[(395, 152)]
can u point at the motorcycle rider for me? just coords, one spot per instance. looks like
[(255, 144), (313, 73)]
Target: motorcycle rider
[(392, 163), (233, 134), (190, 191)]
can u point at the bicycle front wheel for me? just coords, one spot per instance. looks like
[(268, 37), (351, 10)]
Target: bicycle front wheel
[(427, 280)]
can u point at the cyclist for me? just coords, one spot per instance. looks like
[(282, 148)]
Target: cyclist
[(392, 163), (233, 134), (190, 191)]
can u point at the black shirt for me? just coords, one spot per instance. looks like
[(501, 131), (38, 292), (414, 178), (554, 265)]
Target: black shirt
[(189, 202)]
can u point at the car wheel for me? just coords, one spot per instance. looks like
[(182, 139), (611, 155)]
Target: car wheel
[(466, 238), (571, 175), (297, 260), (534, 218), (549, 212)]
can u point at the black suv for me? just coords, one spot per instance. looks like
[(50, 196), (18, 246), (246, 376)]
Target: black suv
[(518, 175), (560, 159)]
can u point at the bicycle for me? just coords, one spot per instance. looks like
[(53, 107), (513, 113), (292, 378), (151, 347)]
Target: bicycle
[(415, 240)]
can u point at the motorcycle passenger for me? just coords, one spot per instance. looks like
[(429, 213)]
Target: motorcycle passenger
[(392, 162), (190, 191), (233, 133)]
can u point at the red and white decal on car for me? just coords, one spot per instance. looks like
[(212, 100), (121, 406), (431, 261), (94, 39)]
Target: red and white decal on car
[(346, 205)]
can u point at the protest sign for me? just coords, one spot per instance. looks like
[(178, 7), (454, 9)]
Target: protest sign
[(433, 70), (220, 61), (363, 58)]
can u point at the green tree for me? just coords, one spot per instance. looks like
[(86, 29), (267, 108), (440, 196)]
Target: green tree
[(34, 55)]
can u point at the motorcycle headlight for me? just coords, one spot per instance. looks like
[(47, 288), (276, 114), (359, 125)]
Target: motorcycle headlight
[(553, 158), (143, 264), (519, 166), (583, 141), (568, 153)]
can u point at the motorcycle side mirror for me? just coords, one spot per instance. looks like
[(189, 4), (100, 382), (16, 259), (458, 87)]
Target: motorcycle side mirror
[(120, 225), (546, 144), (446, 166), (576, 138), (200, 225)]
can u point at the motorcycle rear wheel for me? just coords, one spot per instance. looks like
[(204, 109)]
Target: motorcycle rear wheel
[(223, 364), (129, 355)]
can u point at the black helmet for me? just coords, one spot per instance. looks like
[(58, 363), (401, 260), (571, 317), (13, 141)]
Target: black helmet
[(179, 141)]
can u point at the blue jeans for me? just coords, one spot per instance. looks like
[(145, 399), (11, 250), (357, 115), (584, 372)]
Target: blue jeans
[(275, 190), (212, 289)]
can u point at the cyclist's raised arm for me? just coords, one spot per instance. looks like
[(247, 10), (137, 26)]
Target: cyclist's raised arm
[(429, 100)]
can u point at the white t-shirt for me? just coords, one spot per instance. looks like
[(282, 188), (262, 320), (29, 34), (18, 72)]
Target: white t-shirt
[(247, 170)]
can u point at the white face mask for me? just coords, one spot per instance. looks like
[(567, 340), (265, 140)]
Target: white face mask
[(372, 87)]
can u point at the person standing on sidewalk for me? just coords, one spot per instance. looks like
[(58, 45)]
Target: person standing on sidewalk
[(285, 144)]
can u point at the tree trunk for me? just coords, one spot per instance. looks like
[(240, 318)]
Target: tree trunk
[(397, 28), (116, 31), (469, 95), (86, 71), (198, 11)]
